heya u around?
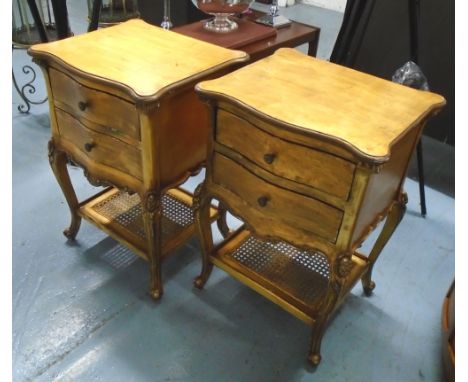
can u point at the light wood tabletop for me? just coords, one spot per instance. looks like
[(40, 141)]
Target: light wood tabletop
[(365, 112), (148, 62)]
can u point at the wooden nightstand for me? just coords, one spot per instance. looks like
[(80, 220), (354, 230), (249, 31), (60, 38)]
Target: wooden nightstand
[(122, 106), (311, 156)]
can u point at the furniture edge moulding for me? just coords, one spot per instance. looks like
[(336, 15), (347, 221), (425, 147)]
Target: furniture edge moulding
[(145, 102), (369, 161)]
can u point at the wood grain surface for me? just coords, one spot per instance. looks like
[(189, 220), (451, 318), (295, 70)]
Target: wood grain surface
[(149, 59), (365, 112)]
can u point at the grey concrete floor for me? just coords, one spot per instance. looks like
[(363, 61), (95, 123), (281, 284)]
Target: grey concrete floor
[(81, 312)]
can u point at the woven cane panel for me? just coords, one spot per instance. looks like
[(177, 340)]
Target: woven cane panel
[(125, 210), (304, 274)]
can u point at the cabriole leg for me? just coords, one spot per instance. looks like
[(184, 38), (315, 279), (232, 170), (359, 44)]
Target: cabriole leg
[(319, 327), (151, 207), (222, 221), (58, 161), (316, 340), (394, 217), (339, 270), (201, 206)]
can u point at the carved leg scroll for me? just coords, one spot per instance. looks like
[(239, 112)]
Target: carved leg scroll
[(338, 273), (316, 340), (320, 323), (201, 206), (152, 220), (58, 162), (221, 222), (394, 217)]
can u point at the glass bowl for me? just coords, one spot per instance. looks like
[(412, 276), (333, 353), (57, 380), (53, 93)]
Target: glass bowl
[(221, 10)]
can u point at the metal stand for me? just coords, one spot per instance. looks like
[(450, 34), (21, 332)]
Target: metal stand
[(96, 12), (167, 23), (413, 8), (273, 18), (29, 88), (26, 89), (62, 30), (102, 14)]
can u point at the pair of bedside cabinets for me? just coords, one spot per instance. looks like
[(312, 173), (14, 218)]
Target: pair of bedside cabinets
[(311, 156)]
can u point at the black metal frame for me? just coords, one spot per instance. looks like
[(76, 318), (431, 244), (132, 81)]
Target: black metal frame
[(413, 10), (27, 89), (94, 22), (59, 8)]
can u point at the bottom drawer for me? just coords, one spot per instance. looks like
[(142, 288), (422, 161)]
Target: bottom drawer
[(100, 148), (281, 206)]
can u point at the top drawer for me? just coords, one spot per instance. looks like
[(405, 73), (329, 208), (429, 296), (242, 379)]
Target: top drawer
[(119, 116), (292, 161)]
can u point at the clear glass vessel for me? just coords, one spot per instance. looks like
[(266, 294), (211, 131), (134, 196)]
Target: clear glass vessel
[(221, 10)]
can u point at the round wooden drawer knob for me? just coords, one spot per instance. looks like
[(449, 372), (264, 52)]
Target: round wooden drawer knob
[(82, 105), (269, 158), (262, 201), (89, 146)]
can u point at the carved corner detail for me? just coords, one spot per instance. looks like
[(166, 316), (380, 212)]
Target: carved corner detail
[(197, 197), (403, 199), (96, 182), (51, 150), (147, 107), (344, 264), (151, 201), (39, 61), (206, 100)]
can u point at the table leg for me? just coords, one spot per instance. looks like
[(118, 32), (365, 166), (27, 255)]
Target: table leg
[(313, 45), (61, 18), (201, 207), (222, 222), (95, 13), (152, 214), (422, 193), (37, 20), (58, 161), (394, 217), (326, 309)]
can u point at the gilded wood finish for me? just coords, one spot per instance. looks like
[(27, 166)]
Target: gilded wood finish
[(317, 162), (122, 106)]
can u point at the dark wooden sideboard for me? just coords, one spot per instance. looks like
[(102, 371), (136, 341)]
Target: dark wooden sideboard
[(291, 36)]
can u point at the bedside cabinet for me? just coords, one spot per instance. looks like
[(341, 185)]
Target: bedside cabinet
[(311, 156), (123, 107)]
